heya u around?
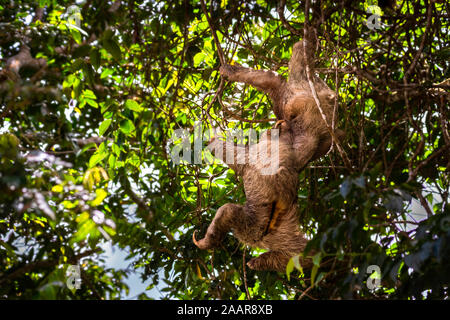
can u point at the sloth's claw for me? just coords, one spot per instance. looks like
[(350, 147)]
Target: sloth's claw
[(278, 123), (195, 240)]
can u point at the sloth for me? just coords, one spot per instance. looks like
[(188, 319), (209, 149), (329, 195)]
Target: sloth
[(269, 218), (293, 101)]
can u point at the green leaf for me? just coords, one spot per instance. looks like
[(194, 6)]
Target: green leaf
[(95, 57), (320, 277), (88, 73), (89, 94), (58, 188), (104, 126), (297, 265), (77, 64), (199, 58), (112, 161), (133, 106), (105, 73), (82, 218), (317, 258), (96, 158), (84, 229), (81, 51), (87, 147), (108, 34), (127, 126), (113, 48), (77, 88), (76, 35), (116, 149), (92, 103), (101, 195), (134, 160), (289, 268), (313, 275)]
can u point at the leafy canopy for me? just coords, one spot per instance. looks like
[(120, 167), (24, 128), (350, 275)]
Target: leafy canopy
[(90, 98)]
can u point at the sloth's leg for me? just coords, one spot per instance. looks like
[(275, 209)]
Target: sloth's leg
[(271, 260), (277, 261), (235, 156), (227, 217), (266, 81), (284, 242), (247, 223)]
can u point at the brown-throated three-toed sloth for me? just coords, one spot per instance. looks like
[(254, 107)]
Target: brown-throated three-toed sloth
[(293, 100), (269, 217)]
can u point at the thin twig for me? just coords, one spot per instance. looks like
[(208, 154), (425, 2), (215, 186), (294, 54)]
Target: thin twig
[(316, 98), (245, 274), (422, 43), (44, 264), (213, 31), (280, 10)]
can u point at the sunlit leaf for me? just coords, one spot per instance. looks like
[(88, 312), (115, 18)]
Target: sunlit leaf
[(113, 48), (127, 126), (100, 196), (133, 105), (104, 126)]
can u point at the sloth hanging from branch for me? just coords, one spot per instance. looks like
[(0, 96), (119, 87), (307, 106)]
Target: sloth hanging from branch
[(304, 107)]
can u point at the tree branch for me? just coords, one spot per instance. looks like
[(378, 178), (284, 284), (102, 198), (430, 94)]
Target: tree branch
[(280, 10), (43, 265)]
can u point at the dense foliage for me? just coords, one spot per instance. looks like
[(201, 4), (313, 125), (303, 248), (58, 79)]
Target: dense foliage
[(90, 97)]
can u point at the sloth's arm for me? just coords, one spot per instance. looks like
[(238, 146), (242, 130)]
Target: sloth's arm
[(266, 81), (235, 156)]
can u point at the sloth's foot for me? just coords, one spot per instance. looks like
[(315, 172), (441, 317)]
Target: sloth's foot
[(205, 243), (254, 264), (271, 260)]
